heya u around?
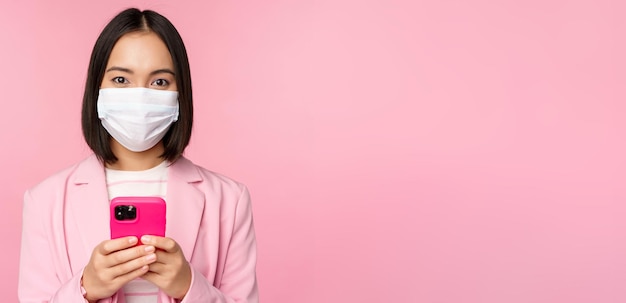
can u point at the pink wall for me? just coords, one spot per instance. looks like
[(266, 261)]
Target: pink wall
[(397, 151)]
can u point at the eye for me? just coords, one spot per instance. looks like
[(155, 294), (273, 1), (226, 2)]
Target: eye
[(160, 82), (119, 80)]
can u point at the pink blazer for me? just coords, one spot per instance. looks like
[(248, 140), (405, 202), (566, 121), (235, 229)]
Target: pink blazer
[(67, 215)]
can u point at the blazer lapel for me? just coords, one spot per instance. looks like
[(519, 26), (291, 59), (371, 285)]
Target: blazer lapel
[(89, 204), (185, 205)]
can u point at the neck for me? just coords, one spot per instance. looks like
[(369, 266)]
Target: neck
[(130, 160)]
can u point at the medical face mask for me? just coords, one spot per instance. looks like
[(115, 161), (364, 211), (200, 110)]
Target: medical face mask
[(137, 118)]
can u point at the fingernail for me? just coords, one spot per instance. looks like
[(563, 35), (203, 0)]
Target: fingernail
[(151, 257), (132, 240), (146, 239), (149, 248)]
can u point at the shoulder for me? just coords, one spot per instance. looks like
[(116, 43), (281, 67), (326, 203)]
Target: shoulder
[(203, 177), (58, 182)]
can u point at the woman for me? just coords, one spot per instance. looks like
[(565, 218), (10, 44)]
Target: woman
[(137, 118)]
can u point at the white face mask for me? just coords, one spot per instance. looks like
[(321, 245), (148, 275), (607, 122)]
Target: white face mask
[(137, 118)]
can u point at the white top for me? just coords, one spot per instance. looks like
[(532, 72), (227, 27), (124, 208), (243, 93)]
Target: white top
[(151, 182)]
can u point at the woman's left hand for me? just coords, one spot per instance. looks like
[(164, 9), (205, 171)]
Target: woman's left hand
[(170, 272)]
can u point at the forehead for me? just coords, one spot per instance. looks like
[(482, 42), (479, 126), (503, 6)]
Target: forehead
[(140, 51)]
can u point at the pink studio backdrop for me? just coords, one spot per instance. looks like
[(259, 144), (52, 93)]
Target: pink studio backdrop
[(396, 151)]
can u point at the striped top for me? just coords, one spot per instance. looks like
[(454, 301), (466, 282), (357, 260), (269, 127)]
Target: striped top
[(151, 182)]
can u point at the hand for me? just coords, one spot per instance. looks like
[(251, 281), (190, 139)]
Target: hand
[(171, 271), (114, 263)]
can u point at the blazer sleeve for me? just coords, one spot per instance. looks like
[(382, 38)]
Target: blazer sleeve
[(238, 283), (39, 277)]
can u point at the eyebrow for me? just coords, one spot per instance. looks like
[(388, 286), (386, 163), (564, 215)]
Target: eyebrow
[(129, 71)]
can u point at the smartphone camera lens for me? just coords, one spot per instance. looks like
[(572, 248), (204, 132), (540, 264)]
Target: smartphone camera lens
[(125, 212)]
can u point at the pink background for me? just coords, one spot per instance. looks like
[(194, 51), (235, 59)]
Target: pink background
[(396, 151)]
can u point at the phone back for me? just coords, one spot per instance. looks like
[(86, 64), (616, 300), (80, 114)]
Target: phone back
[(137, 216)]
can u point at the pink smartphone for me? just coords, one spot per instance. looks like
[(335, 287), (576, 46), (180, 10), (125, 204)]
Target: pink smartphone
[(137, 216)]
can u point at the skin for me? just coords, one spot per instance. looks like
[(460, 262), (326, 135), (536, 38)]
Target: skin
[(138, 59)]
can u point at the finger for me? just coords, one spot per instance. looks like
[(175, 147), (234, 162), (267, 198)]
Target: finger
[(110, 246), (153, 277), (123, 269), (128, 254), (164, 243), (164, 262), (129, 276), (166, 257), (158, 268), (167, 262)]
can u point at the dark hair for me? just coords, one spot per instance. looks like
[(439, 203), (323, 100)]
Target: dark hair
[(134, 20)]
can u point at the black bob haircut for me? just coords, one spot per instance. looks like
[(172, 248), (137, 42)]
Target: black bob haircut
[(128, 21)]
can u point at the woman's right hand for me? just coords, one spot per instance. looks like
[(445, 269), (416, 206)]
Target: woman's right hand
[(114, 263)]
